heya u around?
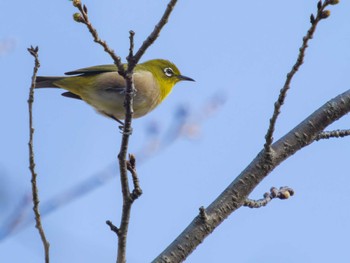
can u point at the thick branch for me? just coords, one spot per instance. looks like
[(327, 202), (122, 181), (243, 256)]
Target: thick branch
[(234, 195)]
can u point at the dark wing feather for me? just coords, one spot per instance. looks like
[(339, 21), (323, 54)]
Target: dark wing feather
[(71, 95), (93, 70)]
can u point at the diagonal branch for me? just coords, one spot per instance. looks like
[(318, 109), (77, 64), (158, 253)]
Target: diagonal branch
[(321, 14), (34, 52), (83, 17), (235, 194), (155, 33)]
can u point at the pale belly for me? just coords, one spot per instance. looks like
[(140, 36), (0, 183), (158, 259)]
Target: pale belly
[(111, 103)]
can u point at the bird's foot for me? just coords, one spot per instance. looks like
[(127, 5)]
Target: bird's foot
[(122, 126), (125, 132)]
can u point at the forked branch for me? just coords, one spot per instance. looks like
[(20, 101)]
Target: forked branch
[(127, 73)]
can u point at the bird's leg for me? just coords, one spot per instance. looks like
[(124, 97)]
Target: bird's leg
[(114, 118), (121, 127), (117, 120)]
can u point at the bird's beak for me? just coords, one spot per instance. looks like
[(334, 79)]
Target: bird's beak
[(181, 77)]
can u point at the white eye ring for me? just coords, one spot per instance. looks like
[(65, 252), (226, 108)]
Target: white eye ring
[(169, 72)]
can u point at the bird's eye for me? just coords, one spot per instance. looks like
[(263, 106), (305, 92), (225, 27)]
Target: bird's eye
[(169, 72)]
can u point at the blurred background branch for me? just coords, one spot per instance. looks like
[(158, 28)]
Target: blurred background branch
[(186, 124), (7, 45)]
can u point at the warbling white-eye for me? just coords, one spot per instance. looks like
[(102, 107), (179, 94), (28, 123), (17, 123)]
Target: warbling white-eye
[(103, 88)]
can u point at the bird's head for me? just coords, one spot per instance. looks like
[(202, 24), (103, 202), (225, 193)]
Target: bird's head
[(165, 72)]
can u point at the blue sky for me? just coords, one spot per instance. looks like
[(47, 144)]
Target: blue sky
[(239, 53)]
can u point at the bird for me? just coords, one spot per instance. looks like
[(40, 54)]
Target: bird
[(104, 88)]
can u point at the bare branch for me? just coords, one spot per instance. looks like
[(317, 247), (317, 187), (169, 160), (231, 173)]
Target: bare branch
[(131, 165), (155, 33), (122, 231), (282, 193), (35, 192), (321, 14), (127, 73), (113, 227), (236, 193), (332, 134), (127, 199), (131, 46), (82, 17)]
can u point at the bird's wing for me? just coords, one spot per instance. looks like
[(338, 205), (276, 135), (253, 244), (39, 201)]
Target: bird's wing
[(93, 70)]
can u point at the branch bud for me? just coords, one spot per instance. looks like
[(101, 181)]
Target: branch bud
[(284, 195), (78, 18), (325, 14), (312, 19), (333, 2), (76, 3)]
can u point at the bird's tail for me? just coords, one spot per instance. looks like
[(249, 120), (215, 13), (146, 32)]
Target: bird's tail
[(47, 82)]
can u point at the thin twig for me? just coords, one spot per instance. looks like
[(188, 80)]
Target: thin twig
[(282, 193), (131, 46), (113, 227), (332, 134), (131, 165), (127, 130), (35, 192), (155, 33), (128, 198), (82, 17), (128, 104), (321, 14)]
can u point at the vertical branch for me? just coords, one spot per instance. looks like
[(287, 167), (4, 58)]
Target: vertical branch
[(127, 130), (128, 197), (131, 47), (34, 52), (127, 73)]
